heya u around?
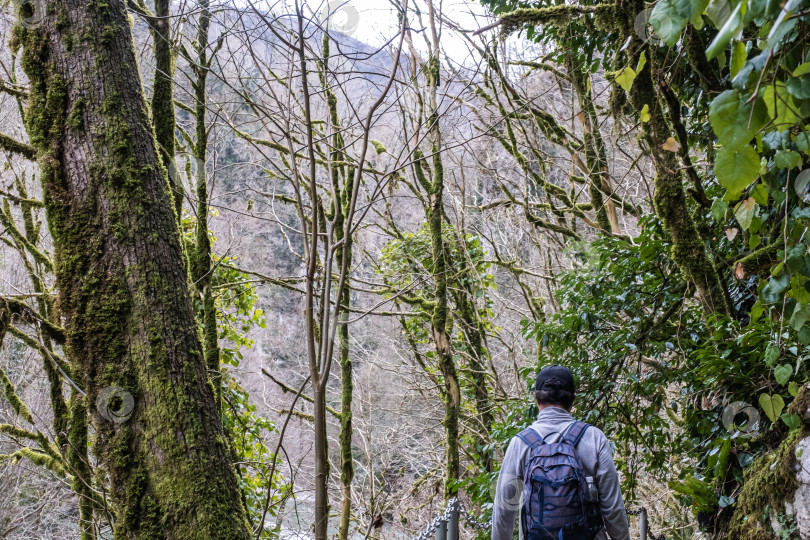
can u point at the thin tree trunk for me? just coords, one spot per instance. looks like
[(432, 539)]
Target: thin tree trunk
[(342, 186), (452, 393), (163, 117), (318, 372), (123, 293), (79, 463), (599, 184), (474, 337), (201, 261)]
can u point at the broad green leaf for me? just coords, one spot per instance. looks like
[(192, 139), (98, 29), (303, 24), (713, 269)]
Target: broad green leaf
[(802, 70), (792, 421), (722, 459), (756, 311), (760, 9), (738, 55), (775, 140), (793, 389), (625, 78), (804, 337), (756, 224), (787, 159), (783, 373), (734, 121), (795, 258), (730, 28), (719, 208), (780, 105), (642, 61), (645, 113), (774, 290), (754, 241), (736, 169), (780, 27), (771, 354), (802, 141), (744, 459), (745, 212), (772, 406), (718, 12), (800, 183), (760, 194), (800, 316), (725, 501), (753, 65), (669, 17), (799, 88)]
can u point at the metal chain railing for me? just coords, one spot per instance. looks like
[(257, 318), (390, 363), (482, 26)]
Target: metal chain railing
[(445, 525), (440, 523), (472, 521)]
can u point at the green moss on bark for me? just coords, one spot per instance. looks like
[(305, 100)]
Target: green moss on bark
[(770, 482), (123, 291)]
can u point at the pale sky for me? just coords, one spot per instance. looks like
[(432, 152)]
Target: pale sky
[(374, 21)]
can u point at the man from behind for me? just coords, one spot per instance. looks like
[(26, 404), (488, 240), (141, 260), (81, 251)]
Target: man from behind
[(558, 474)]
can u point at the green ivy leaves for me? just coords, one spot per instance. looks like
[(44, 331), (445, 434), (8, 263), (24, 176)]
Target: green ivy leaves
[(783, 373), (772, 406), (730, 28), (734, 120), (627, 75), (736, 168), (669, 17)]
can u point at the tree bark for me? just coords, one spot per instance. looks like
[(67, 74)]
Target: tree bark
[(343, 186), (439, 319), (163, 118), (200, 263), (123, 292), (688, 249)]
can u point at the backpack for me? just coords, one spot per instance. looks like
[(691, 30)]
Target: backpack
[(556, 501)]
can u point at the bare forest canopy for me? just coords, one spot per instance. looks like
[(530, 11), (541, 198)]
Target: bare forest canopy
[(269, 270)]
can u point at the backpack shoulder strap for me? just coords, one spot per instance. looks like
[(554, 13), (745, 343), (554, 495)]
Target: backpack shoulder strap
[(531, 437), (575, 432)]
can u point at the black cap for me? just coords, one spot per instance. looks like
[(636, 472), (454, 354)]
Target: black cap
[(555, 377)]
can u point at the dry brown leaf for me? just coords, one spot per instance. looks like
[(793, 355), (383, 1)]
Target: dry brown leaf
[(671, 145)]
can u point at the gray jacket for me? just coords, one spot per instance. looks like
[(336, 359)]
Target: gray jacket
[(595, 456)]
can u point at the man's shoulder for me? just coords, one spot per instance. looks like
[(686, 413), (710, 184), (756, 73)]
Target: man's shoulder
[(595, 433)]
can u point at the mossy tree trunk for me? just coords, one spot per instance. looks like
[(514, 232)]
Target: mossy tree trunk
[(69, 421), (472, 328), (123, 293), (688, 247), (435, 214), (599, 185), (163, 117), (200, 263), (342, 187)]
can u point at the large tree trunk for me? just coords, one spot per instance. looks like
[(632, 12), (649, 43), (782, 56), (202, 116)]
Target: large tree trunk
[(123, 292), (670, 201)]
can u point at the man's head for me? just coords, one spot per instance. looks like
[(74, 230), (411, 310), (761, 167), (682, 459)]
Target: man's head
[(555, 387)]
